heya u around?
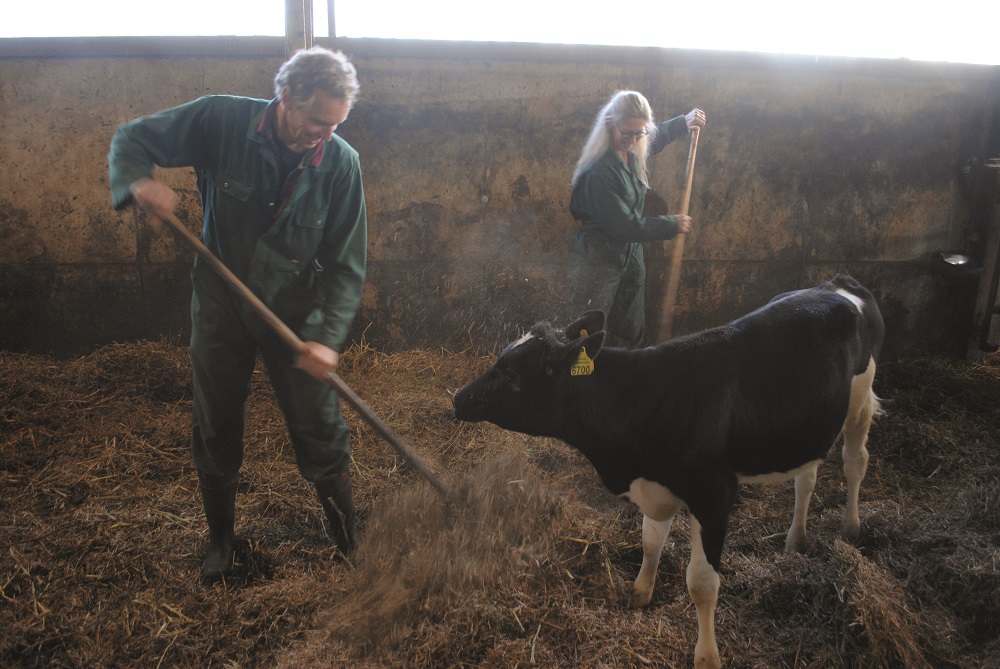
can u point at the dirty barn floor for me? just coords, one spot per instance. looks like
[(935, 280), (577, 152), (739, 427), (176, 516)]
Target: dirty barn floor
[(101, 536)]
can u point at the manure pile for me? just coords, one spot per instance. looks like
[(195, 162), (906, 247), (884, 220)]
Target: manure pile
[(101, 536)]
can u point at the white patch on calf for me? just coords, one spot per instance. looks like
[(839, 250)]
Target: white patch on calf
[(653, 499), (658, 506), (863, 408), (855, 300), (514, 344), (520, 341), (777, 477), (703, 586)]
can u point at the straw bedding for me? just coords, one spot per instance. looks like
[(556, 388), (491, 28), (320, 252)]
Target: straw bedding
[(102, 536)]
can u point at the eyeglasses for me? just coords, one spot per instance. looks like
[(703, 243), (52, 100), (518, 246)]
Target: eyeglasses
[(629, 134)]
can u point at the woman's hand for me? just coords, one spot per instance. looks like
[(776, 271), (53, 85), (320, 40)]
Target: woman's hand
[(695, 119)]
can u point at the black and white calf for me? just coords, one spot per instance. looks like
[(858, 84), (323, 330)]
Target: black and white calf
[(685, 422)]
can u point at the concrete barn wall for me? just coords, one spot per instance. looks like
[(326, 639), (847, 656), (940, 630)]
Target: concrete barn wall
[(807, 168)]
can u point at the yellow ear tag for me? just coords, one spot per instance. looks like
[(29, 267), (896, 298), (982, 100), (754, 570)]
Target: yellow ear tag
[(584, 365)]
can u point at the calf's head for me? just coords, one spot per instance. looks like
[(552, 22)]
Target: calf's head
[(521, 390)]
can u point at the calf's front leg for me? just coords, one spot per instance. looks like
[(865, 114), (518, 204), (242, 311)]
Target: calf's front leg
[(658, 506), (654, 535)]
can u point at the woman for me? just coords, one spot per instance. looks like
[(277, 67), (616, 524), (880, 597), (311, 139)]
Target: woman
[(606, 268)]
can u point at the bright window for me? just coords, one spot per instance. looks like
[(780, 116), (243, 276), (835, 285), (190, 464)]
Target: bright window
[(132, 18), (965, 33)]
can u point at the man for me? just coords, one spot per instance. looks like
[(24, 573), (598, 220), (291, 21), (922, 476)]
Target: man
[(284, 209)]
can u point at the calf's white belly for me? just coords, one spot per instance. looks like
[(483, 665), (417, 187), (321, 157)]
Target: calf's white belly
[(777, 477), (657, 502)]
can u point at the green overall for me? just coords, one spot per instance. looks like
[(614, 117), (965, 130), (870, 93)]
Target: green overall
[(298, 243), (606, 266)]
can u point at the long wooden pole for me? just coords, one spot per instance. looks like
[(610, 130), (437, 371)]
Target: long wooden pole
[(667, 315), (298, 347)]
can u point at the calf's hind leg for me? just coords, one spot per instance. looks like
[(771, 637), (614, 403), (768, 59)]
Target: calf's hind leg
[(805, 483), (864, 407), (703, 586)]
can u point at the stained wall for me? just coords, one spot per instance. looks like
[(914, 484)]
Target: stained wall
[(807, 167)]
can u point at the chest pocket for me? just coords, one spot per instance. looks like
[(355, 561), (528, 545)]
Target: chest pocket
[(303, 234), (631, 193), (310, 219), (233, 187)]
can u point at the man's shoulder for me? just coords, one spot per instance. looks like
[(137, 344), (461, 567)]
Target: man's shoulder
[(232, 103), (235, 100), (339, 152)]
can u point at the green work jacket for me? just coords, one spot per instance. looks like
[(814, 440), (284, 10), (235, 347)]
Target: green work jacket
[(300, 246), (608, 198)]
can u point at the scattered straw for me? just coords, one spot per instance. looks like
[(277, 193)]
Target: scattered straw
[(101, 536)]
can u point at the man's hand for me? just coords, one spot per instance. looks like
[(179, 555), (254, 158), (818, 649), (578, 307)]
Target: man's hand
[(156, 199), (683, 224), (317, 360)]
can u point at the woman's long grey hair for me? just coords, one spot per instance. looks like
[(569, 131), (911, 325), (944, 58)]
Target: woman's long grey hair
[(622, 106)]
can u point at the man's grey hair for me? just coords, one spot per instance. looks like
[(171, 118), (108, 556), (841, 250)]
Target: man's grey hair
[(317, 69)]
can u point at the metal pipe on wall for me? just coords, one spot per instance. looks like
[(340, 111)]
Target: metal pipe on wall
[(988, 307), (299, 33)]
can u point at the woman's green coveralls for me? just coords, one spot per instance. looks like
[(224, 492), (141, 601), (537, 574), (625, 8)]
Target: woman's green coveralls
[(606, 266), (299, 244)]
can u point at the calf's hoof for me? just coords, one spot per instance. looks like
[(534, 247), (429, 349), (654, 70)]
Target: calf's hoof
[(850, 532), (795, 544), (710, 661), (640, 598)]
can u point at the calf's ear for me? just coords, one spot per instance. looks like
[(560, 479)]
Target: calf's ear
[(592, 322), (577, 357), (593, 344)]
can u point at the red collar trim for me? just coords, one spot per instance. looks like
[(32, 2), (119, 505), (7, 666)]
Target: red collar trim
[(267, 127)]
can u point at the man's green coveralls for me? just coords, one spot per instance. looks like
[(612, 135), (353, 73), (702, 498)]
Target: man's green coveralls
[(299, 243), (606, 266)]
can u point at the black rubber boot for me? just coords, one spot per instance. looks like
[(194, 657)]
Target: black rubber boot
[(219, 498), (338, 504)]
